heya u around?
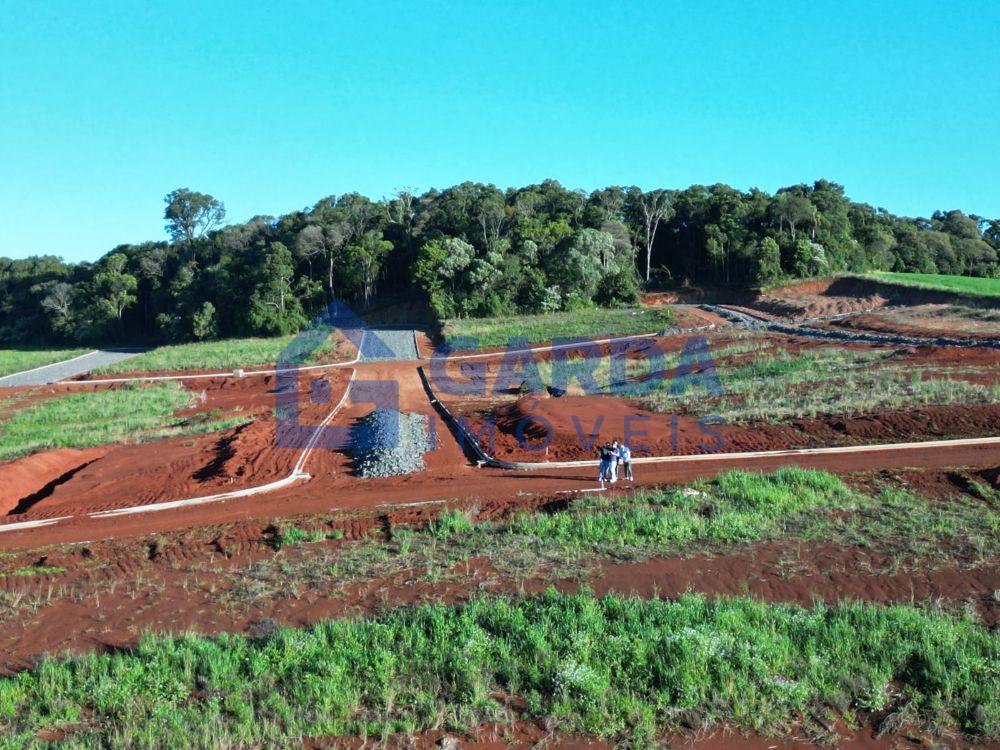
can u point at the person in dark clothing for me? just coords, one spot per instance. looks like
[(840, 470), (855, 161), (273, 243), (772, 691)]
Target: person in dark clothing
[(607, 455)]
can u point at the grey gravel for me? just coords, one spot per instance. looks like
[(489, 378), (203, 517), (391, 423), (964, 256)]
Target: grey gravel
[(382, 344), (61, 370), (388, 443)]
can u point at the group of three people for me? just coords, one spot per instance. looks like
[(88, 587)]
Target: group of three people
[(615, 457)]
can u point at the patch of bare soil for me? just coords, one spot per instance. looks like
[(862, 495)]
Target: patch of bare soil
[(522, 735), (570, 428), (825, 297), (57, 483), (916, 325)]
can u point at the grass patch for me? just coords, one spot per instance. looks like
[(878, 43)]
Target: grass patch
[(984, 314), (590, 322), (37, 570), (81, 420), (716, 517), (617, 667), (290, 536), (214, 355), (832, 380), (974, 285), (18, 360)]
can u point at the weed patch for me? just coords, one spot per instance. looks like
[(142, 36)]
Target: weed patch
[(616, 667), (80, 420)]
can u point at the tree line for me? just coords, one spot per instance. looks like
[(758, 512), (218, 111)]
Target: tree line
[(468, 250)]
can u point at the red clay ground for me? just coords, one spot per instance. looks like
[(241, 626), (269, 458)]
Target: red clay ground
[(524, 735), (169, 570), (186, 467), (913, 323), (837, 296)]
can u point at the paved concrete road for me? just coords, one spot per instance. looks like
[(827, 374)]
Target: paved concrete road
[(389, 343), (61, 370)]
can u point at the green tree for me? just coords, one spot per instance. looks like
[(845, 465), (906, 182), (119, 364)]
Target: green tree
[(366, 259), (114, 287), (203, 323), (274, 309), (646, 211), (768, 261), (191, 214)]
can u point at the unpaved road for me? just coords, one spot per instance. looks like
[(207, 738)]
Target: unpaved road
[(68, 368)]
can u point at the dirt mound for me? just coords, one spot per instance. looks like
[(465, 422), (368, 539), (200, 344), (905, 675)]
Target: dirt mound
[(845, 294), (29, 479)]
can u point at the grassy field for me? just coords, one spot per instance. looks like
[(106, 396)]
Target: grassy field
[(585, 323), (779, 385), (212, 355), (81, 420), (964, 284), (617, 667), (622, 668), (18, 360)]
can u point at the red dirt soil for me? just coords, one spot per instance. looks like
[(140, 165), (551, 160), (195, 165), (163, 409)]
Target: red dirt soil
[(836, 296), (578, 424), (918, 327), (120, 475), (525, 735), (188, 467), (108, 592)]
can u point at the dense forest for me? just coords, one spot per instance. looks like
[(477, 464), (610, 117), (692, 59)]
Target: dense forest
[(469, 250)]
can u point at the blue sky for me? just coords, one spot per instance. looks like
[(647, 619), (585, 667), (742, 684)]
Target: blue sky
[(106, 107)]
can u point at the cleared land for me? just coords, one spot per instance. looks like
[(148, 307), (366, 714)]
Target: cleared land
[(622, 668), (779, 384), (217, 355), (457, 599), (964, 284), (586, 323), (18, 360)]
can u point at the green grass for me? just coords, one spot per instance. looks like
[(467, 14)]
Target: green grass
[(212, 355), (81, 420), (716, 517), (975, 285), (780, 385), (37, 570), (591, 322), (18, 360), (622, 668)]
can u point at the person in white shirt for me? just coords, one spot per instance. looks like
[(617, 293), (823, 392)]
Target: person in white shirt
[(625, 460)]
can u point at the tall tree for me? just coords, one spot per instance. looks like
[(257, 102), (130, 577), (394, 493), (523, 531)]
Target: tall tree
[(327, 240), (114, 287), (367, 257), (191, 214), (646, 212)]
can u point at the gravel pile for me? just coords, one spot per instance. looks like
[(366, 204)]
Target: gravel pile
[(387, 443)]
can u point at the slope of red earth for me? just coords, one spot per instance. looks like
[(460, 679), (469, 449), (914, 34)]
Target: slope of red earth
[(120, 475)]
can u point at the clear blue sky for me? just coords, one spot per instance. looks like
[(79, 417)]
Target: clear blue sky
[(105, 107)]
